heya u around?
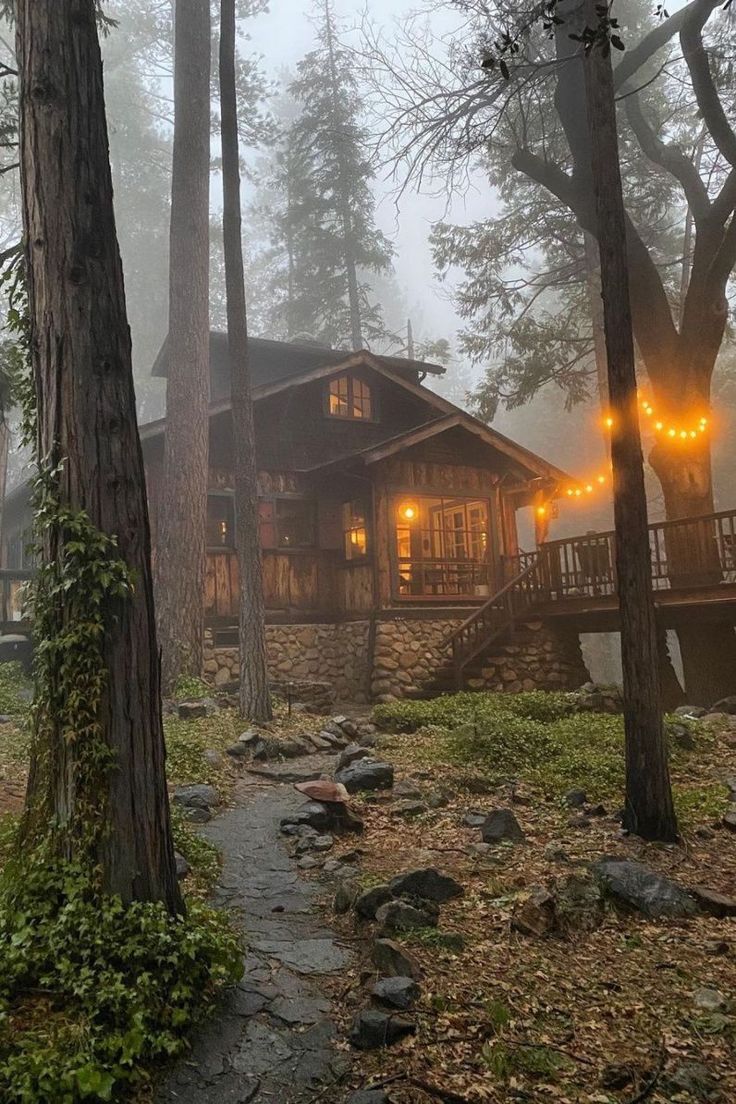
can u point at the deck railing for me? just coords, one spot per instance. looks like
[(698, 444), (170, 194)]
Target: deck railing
[(688, 552)]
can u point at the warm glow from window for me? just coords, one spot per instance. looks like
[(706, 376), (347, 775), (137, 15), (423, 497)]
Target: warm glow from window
[(348, 397), (407, 511)]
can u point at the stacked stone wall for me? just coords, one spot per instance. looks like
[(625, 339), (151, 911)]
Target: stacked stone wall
[(407, 655)]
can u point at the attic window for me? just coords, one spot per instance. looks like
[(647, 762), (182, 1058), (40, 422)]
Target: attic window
[(348, 397)]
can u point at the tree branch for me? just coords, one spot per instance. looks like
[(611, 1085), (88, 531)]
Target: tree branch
[(633, 60), (706, 93), (669, 158)]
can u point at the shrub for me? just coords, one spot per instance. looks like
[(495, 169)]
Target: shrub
[(191, 688), (91, 990), (14, 689), (453, 710)]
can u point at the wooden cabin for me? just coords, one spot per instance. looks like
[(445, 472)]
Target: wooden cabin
[(386, 514)]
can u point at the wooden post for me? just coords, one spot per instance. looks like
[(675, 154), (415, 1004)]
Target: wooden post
[(649, 807)]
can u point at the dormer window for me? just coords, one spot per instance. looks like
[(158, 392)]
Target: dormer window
[(349, 397)]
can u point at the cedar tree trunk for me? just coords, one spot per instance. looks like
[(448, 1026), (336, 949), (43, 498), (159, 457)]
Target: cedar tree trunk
[(255, 701), (82, 370), (180, 548), (649, 808)]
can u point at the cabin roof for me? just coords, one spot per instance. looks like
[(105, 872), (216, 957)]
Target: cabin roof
[(274, 361), (533, 466)]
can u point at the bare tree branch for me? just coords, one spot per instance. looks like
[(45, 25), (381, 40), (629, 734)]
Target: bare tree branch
[(706, 93)]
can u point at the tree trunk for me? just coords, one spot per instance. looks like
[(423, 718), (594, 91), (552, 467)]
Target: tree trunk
[(351, 272), (649, 807), (82, 369), (180, 546), (255, 701), (4, 451)]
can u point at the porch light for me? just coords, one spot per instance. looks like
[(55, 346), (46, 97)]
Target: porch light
[(408, 511), (541, 510)]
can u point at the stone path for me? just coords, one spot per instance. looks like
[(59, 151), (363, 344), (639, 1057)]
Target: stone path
[(273, 1040)]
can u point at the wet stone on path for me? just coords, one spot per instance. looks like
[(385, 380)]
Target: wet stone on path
[(272, 1038)]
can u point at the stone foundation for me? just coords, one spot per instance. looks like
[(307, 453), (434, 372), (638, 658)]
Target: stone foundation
[(407, 656), (336, 654)]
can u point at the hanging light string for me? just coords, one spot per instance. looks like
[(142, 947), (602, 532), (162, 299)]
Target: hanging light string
[(677, 432)]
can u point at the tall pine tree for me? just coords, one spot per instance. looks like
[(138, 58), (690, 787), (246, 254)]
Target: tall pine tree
[(324, 241)]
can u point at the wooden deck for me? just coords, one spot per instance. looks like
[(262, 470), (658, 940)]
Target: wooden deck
[(574, 580)]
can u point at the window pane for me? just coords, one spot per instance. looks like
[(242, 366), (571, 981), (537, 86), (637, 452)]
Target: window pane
[(295, 523), (355, 530), (361, 399), (338, 397), (220, 522)]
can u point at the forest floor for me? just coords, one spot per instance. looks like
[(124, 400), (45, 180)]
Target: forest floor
[(615, 1009)]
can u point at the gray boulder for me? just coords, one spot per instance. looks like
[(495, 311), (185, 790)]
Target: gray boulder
[(643, 889), (182, 866), (427, 883), (396, 992), (372, 1029), (690, 711), (313, 814), (576, 799), (351, 754), (369, 1096), (196, 796), (392, 960), (502, 825), (408, 809), (401, 916), (368, 902), (194, 710), (366, 774)]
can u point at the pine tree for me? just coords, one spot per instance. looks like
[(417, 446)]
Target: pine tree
[(323, 233)]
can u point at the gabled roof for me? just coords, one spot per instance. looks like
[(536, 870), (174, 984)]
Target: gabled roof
[(273, 361), (535, 467)]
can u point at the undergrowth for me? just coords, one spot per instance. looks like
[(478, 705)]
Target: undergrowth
[(543, 739), (93, 992), (14, 690)]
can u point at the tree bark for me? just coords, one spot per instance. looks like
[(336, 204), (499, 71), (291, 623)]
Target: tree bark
[(180, 546), (255, 700), (82, 370), (649, 806)]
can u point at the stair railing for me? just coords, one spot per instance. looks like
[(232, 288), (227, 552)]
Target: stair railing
[(496, 616)]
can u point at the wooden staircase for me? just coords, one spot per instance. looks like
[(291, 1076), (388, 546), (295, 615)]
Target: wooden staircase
[(488, 625)]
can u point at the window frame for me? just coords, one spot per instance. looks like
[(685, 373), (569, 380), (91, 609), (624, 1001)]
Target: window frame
[(351, 380), (350, 514), (230, 546), (268, 516)]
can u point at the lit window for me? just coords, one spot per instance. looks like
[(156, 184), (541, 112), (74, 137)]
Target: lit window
[(348, 397), (220, 521), (355, 530)]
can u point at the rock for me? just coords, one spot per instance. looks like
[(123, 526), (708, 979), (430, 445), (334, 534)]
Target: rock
[(615, 1076), (537, 915), (369, 1096), (481, 850), (681, 735), (351, 754), (212, 756), (576, 799), (320, 744), (346, 894), (725, 705), (192, 710), (336, 740), (693, 1079), (196, 796), (314, 814), (250, 737), (475, 820), (579, 821), (717, 947), (596, 810), (372, 1029), (396, 992), (401, 916), (392, 960), (729, 820), (438, 800), (643, 889), (308, 862), (709, 1000), (367, 739), (404, 788), (692, 711), (366, 774), (324, 791), (428, 884), (323, 843), (238, 750), (196, 815), (409, 809), (370, 900), (182, 866), (502, 825), (713, 902)]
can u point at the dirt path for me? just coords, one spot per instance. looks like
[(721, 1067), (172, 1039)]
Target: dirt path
[(274, 1039)]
